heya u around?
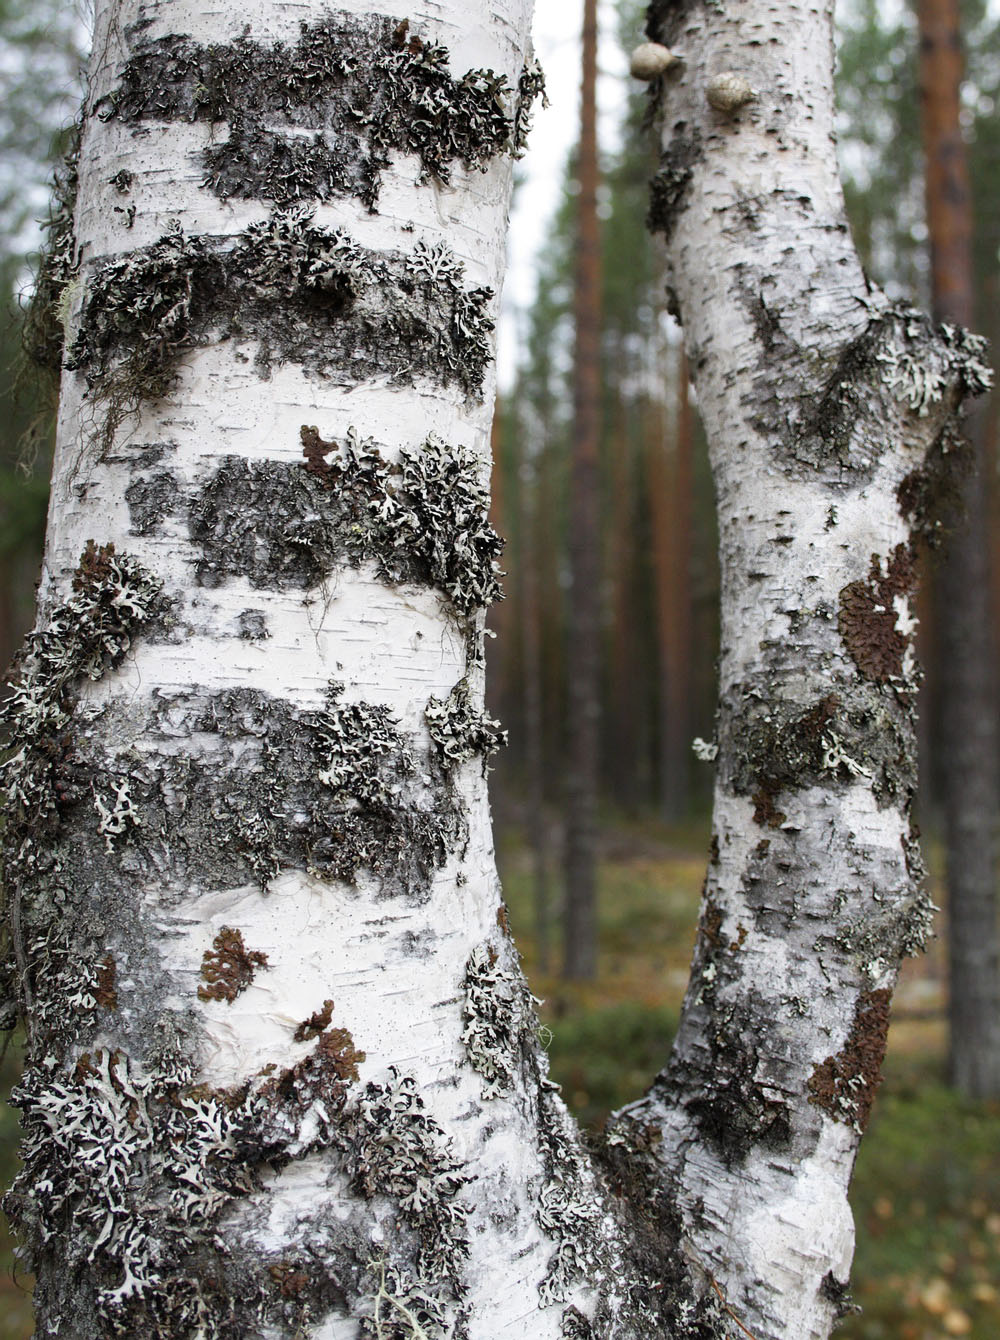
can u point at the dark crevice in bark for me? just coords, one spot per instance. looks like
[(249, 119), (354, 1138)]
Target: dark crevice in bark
[(668, 189), (303, 293), (366, 87)]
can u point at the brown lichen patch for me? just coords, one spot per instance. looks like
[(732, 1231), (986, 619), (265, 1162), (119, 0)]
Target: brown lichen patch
[(228, 967), (316, 450), (290, 1282), (868, 616), (321, 1077), (316, 1023), (95, 567), (845, 1085), (765, 812), (105, 993)]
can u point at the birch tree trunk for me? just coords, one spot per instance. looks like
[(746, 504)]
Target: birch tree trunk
[(830, 415), (282, 1075)]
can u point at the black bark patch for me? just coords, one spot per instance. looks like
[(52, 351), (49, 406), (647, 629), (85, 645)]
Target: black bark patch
[(845, 1085), (149, 499), (768, 748), (868, 618), (669, 187), (305, 294), (837, 1292), (365, 86), (736, 1108), (665, 19), (252, 625), (930, 497)]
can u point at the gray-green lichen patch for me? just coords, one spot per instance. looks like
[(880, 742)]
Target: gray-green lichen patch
[(304, 293), (460, 732), (568, 1210), (113, 597), (365, 87), (337, 790), (900, 362), (129, 1167), (497, 1012), (424, 519), (854, 732), (393, 1147)]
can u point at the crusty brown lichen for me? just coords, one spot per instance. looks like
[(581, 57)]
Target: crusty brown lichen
[(845, 1085), (869, 617), (229, 967)]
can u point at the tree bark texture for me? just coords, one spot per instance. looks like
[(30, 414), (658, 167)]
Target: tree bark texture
[(829, 414), (970, 765), (282, 1074), (580, 916)]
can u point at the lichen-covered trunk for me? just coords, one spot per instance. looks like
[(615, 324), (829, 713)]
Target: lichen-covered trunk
[(281, 1073), (829, 414)]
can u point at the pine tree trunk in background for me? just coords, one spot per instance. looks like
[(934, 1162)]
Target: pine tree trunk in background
[(969, 742), (583, 671), (621, 770)]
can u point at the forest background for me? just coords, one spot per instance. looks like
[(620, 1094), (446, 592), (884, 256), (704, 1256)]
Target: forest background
[(927, 1190)]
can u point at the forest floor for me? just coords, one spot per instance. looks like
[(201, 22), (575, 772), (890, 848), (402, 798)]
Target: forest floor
[(926, 1194)]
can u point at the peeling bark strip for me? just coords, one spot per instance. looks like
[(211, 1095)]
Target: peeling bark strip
[(423, 519), (366, 86), (306, 294)]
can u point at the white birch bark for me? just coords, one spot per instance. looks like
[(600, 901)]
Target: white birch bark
[(827, 410), (282, 1076)]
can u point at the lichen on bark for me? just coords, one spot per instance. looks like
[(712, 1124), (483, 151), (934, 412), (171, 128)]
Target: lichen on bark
[(423, 519), (302, 292), (367, 87)]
